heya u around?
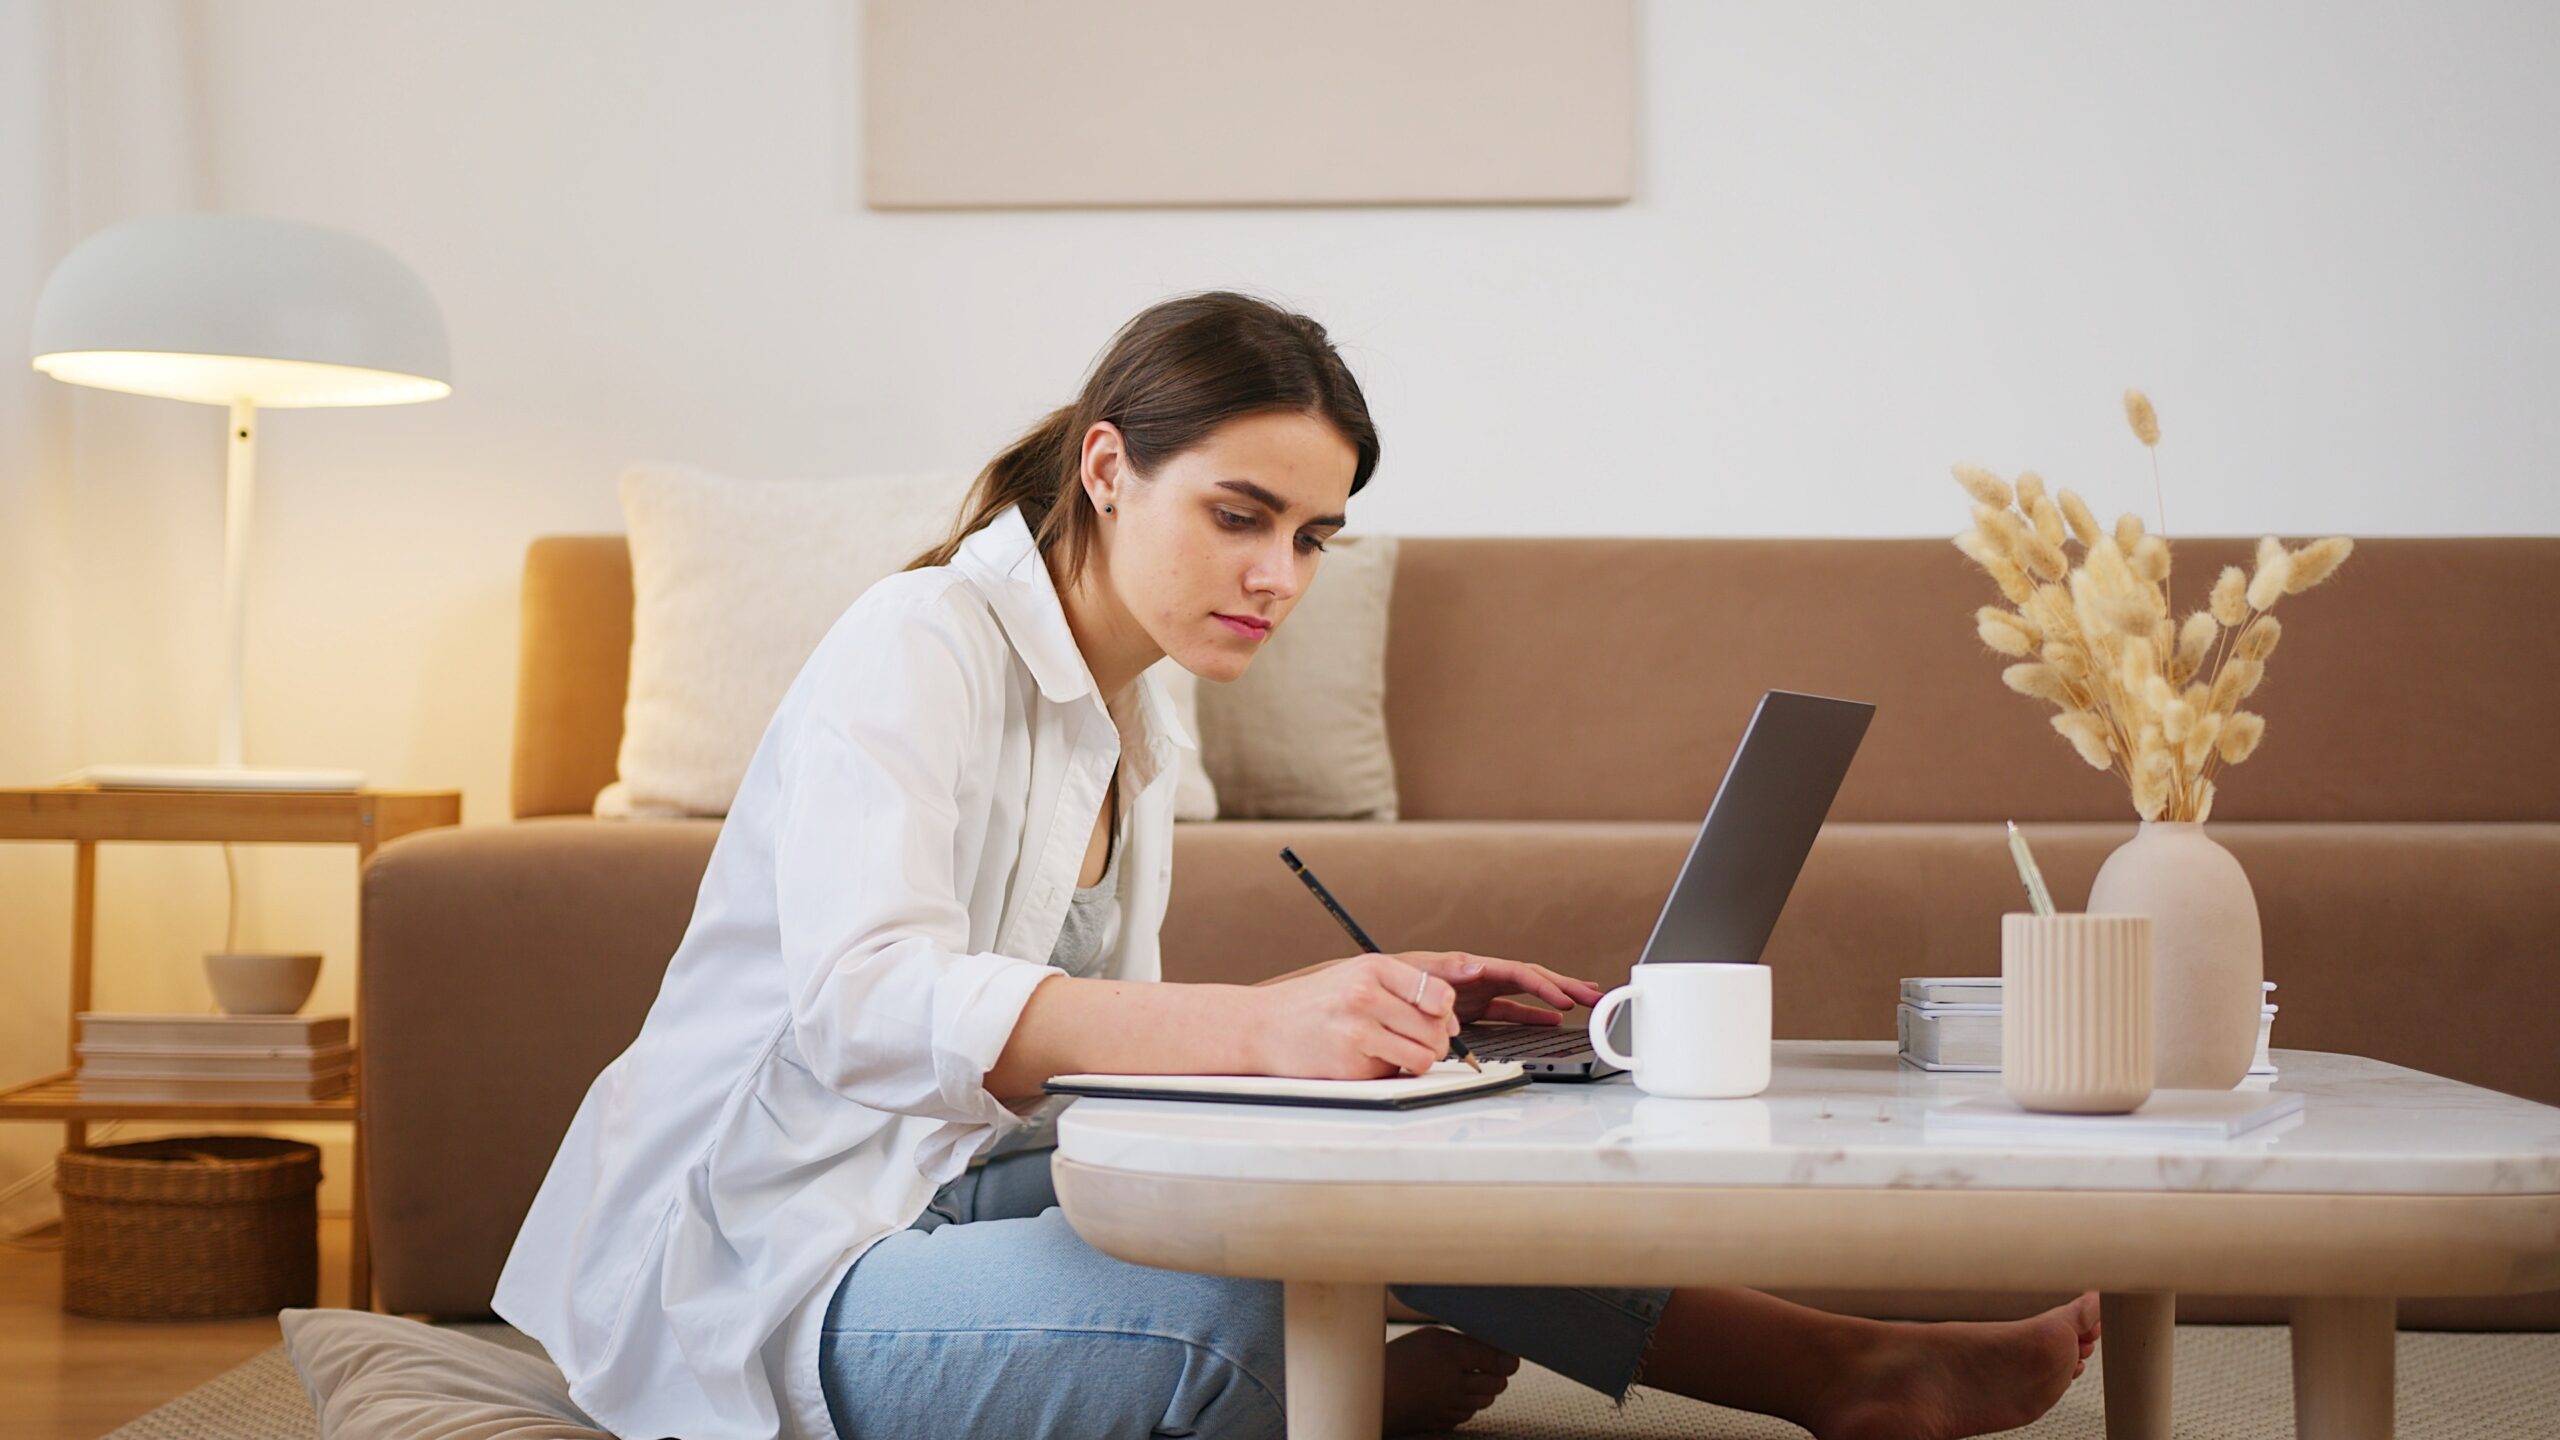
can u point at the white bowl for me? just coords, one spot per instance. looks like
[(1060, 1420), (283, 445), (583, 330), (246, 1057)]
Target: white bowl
[(261, 982)]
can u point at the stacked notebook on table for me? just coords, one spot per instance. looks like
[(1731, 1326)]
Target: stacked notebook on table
[(1953, 1023), (238, 1059)]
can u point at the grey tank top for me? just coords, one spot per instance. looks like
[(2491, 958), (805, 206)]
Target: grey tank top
[(1090, 908), (1079, 953)]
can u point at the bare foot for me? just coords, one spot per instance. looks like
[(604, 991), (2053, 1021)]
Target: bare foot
[(1949, 1379), (1437, 1379)]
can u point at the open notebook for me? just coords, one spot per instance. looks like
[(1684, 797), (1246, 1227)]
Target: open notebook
[(1448, 1080)]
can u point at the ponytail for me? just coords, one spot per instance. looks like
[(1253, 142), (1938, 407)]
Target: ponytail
[(1026, 474)]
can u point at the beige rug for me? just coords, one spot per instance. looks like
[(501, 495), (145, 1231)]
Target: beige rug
[(2234, 1382)]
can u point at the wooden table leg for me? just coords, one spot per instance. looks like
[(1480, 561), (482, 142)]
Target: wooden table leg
[(2344, 1352), (1336, 1365), (2139, 1335)]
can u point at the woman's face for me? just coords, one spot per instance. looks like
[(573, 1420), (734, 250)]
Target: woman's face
[(1222, 535)]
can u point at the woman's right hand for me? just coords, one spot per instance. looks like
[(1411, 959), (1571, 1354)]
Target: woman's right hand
[(1364, 1018)]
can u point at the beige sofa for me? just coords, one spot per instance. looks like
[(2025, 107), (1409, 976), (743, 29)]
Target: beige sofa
[(1560, 711)]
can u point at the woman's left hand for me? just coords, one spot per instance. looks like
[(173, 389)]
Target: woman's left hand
[(1485, 985)]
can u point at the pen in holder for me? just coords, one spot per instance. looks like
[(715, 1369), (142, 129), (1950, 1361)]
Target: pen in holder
[(2075, 1012)]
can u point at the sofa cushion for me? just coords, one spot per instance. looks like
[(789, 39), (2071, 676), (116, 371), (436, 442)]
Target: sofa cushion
[(380, 1377)]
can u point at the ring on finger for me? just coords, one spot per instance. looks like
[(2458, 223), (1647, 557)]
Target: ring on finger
[(1419, 982)]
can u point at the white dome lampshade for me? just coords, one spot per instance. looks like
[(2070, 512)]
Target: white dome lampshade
[(246, 312), (218, 308)]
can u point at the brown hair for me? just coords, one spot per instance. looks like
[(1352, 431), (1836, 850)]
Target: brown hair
[(1178, 370)]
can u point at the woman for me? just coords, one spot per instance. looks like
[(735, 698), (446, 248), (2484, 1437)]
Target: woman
[(812, 1198)]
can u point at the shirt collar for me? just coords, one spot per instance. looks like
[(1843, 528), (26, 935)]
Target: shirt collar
[(1003, 558)]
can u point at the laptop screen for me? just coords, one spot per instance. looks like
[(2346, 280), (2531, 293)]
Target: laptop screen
[(1758, 829)]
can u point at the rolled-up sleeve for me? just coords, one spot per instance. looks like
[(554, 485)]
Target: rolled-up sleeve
[(889, 1006)]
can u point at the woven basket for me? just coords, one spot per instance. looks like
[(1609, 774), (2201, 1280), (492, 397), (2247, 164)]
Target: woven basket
[(190, 1228)]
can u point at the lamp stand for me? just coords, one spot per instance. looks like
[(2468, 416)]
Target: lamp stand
[(227, 772)]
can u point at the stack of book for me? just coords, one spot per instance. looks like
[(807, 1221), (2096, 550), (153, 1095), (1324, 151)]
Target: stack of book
[(1953, 1023), (211, 1059)]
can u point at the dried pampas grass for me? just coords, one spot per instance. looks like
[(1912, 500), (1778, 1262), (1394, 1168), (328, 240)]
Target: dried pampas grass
[(2004, 631), (2275, 572), (2087, 736), (2259, 641), (2315, 562), (2195, 641), (2231, 596), (2076, 513), (2145, 420), (1985, 487), (2037, 680), (2004, 571), (2240, 736), (2138, 693)]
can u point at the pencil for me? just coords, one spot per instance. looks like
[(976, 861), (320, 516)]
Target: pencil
[(1297, 867), (2039, 900)]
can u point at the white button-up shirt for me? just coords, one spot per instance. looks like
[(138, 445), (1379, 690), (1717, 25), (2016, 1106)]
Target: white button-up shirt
[(895, 868)]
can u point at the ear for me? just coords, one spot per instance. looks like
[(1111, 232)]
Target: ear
[(1104, 463)]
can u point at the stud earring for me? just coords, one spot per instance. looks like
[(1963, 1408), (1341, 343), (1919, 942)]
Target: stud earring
[(1106, 509)]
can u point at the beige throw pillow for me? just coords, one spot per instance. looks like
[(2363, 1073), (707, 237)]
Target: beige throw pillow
[(734, 582), (1302, 735)]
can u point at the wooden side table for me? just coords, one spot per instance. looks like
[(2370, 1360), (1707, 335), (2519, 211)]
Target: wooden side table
[(85, 816)]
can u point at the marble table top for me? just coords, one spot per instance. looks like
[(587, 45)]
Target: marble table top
[(1848, 1113)]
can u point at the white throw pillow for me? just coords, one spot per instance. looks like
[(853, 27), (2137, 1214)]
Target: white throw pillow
[(380, 1377), (1302, 734), (734, 582)]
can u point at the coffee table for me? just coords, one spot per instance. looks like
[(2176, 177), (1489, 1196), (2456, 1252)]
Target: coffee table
[(2390, 1182)]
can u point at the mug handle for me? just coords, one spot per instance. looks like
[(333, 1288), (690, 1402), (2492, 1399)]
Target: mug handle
[(1601, 1014)]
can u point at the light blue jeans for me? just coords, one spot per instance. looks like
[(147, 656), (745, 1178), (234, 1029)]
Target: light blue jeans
[(990, 1317)]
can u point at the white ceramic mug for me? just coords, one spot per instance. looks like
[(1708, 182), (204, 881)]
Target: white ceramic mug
[(1701, 1030)]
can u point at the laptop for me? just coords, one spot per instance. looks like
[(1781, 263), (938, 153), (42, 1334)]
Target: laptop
[(1740, 869)]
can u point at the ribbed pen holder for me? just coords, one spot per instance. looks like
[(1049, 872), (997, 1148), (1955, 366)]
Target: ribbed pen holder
[(2075, 1012)]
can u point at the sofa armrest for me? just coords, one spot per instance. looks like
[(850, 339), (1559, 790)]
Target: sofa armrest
[(504, 967)]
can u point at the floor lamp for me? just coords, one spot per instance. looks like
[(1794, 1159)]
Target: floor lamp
[(246, 312)]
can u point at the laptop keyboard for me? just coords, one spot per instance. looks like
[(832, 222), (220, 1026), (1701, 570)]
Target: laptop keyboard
[(1526, 1042)]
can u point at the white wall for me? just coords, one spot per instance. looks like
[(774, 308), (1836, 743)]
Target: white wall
[(1870, 239)]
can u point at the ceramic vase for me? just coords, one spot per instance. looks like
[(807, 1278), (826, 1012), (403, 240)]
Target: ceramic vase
[(2206, 963)]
